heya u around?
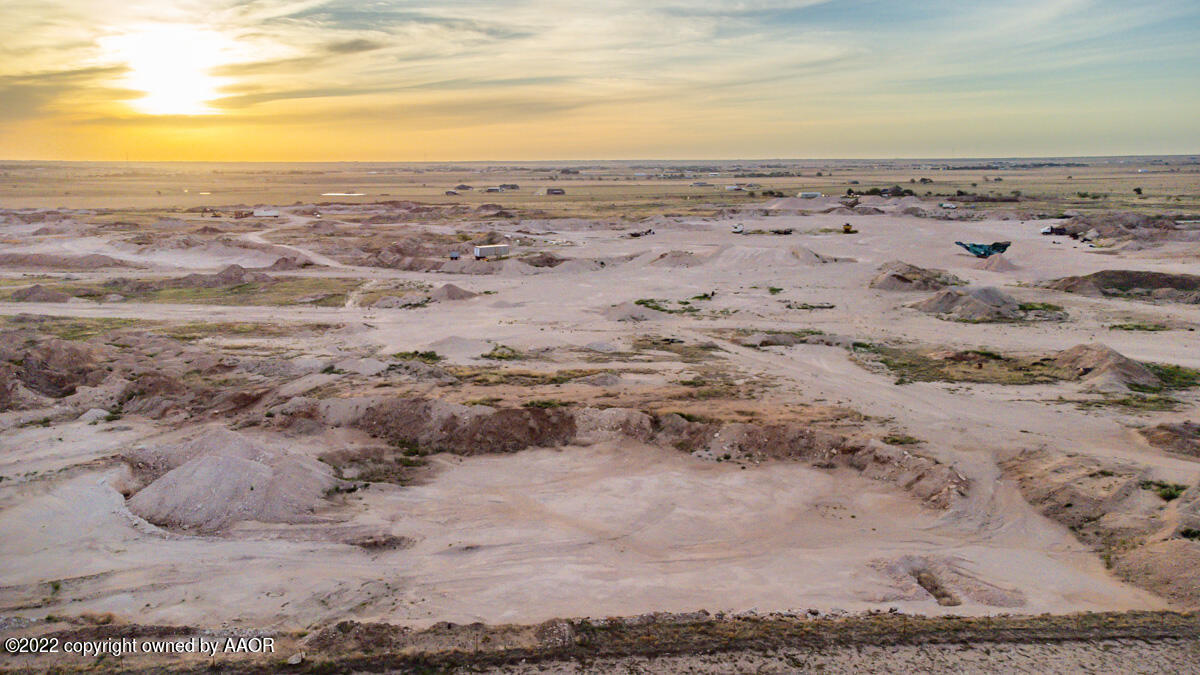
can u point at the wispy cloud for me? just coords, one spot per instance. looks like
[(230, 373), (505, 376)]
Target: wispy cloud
[(772, 65)]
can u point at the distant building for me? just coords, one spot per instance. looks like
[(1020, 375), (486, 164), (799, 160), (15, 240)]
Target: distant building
[(810, 195), (494, 189), (555, 191), (509, 186), (463, 186), (734, 188), (451, 193), (266, 213)]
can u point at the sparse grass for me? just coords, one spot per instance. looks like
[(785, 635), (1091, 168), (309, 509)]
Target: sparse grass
[(1139, 326), (1174, 377), (523, 378), (806, 306), (688, 353), (70, 328), (911, 365), (317, 291), (692, 417), (1166, 491), (486, 400), (774, 290), (190, 332), (658, 306), (426, 356), (545, 403), (503, 353), (901, 439), (1136, 403)]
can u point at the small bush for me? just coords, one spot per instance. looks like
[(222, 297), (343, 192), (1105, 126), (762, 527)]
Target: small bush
[(426, 356), (1167, 491)]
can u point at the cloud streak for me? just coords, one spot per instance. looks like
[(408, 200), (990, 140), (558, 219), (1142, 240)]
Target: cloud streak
[(623, 67)]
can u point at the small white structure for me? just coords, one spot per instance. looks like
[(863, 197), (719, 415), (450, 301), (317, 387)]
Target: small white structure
[(266, 213), (948, 205), (733, 188), (491, 251), (810, 195)]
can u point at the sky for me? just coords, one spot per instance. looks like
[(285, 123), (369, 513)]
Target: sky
[(414, 80)]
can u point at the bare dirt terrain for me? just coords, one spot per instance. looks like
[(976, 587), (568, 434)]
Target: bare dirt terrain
[(688, 401)]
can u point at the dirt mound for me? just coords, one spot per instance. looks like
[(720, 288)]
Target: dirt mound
[(1182, 438), (1116, 507), (543, 260), (286, 263), (60, 262), (996, 263), (1103, 368), (972, 304), (452, 292), (39, 293), (55, 367), (1171, 568), (901, 276), (467, 430), (228, 479), (1133, 283)]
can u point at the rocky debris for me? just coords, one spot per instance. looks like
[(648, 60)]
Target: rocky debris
[(901, 276), (1184, 288), (451, 292), (1102, 368), (39, 293), (972, 304), (93, 415), (1182, 438), (919, 577), (223, 478)]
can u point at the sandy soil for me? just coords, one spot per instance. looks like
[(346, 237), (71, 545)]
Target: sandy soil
[(618, 526)]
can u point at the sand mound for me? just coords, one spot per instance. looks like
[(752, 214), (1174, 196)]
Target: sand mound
[(972, 304), (39, 293), (1102, 368), (223, 479), (543, 259), (678, 259), (627, 311), (452, 292), (901, 276), (996, 263)]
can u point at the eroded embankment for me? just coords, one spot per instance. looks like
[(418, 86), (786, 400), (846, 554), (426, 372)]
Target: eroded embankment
[(349, 647), (1147, 531), (429, 425)]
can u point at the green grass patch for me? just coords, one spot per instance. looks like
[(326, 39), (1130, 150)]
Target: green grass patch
[(1174, 377), (1166, 491), (774, 290), (1039, 307), (1139, 326), (1135, 403), (976, 365)]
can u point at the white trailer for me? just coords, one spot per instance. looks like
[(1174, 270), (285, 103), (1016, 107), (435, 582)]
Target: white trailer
[(492, 251), (809, 195), (266, 213)]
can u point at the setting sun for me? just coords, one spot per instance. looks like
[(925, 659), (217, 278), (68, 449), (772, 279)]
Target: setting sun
[(172, 64)]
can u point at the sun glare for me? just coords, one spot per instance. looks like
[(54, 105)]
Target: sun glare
[(173, 65)]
